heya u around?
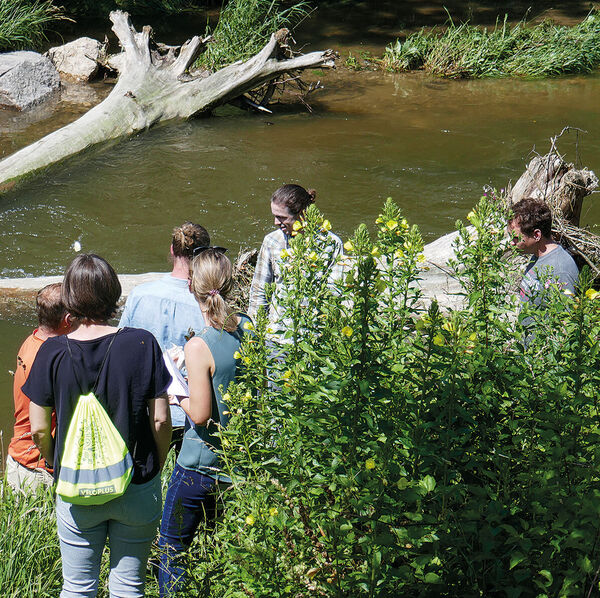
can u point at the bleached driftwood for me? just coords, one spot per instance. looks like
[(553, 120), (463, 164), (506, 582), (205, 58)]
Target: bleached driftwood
[(152, 88), (558, 183)]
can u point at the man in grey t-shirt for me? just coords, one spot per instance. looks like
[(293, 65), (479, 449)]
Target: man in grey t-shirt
[(531, 231)]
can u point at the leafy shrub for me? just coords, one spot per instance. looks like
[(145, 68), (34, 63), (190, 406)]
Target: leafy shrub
[(385, 449)]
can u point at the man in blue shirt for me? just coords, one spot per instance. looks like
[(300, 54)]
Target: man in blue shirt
[(165, 307)]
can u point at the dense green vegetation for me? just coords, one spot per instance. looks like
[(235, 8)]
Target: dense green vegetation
[(392, 450), (466, 51), (22, 22), (244, 27)]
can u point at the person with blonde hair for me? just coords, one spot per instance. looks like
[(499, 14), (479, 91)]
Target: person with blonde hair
[(124, 369), (212, 364), (165, 307), (26, 469)]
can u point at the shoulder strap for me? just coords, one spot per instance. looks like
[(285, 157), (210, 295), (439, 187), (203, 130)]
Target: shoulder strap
[(93, 389)]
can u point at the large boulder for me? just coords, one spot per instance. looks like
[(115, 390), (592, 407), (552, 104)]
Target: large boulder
[(26, 79), (77, 60)]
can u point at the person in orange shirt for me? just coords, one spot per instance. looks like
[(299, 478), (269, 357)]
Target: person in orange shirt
[(26, 469)]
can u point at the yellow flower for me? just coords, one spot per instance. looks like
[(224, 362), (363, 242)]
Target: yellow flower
[(349, 246), (420, 258), (370, 463), (592, 294), (312, 256), (270, 330), (399, 253), (273, 511), (473, 337), (247, 396), (284, 253), (379, 220), (248, 326), (225, 442), (404, 223), (471, 215), (250, 520), (438, 340), (448, 325), (391, 224), (297, 226), (246, 360), (287, 374), (326, 225), (226, 397), (347, 331), (237, 355), (375, 251)]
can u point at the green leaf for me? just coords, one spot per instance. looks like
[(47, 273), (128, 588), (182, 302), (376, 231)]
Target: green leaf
[(428, 482), (515, 559), (432, 578)]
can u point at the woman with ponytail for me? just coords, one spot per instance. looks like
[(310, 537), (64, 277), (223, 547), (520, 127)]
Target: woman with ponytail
[(211, 366)]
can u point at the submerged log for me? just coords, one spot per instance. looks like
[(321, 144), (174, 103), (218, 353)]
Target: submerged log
[(152, 88)]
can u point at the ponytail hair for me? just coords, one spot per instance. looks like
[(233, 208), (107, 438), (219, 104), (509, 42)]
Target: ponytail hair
[(294, 197), (211, 283)]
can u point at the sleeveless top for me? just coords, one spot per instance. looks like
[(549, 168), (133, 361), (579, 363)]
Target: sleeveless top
[(200, 442)]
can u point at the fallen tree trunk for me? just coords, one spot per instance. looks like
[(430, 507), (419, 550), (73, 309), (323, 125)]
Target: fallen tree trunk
[(153, 88)]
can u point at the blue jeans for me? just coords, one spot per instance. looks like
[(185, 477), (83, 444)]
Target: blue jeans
[(129, 522), (190, 500)]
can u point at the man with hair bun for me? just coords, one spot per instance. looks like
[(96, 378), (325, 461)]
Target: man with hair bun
[(26, 469), (531, 230), (165, 307), (288, 204)]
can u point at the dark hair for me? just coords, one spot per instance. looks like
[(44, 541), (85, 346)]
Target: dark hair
[(49, 306), (211, 283), (294, 197), (91, 288), (187, 237), (531, 214)]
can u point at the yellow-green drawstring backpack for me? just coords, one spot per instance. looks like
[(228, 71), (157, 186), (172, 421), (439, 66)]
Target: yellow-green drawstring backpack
[(95, 466)]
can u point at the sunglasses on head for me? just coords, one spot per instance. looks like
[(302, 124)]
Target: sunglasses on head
[(203, 248)]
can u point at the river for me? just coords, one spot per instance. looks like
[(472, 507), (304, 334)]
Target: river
[(430, 144)]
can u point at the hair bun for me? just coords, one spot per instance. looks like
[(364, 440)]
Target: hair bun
[(313, 194)]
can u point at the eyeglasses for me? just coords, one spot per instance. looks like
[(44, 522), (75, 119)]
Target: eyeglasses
[(203, 248)]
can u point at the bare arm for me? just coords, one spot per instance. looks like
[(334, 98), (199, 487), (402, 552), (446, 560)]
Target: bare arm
[(40, 419), (160, 420), (200, 365)]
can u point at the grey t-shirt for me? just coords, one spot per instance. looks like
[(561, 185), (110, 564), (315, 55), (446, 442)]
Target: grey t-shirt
[(556, 267)]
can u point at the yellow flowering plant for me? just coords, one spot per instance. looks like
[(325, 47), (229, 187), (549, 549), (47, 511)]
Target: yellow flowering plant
[(385, 446)]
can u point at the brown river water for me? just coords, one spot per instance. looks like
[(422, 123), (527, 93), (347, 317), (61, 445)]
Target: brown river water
[(430, 144)]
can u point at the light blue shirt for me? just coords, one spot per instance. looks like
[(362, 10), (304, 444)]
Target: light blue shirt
[(166, 308)]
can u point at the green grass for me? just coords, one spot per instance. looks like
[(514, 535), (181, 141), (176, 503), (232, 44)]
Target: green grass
[(245, 26), (22, 22), (30, 564), (521, 50)]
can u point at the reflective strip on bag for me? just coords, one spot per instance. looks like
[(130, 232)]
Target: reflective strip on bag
[(96, 465)]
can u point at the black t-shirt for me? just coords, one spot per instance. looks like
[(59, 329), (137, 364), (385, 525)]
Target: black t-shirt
[(133, 374)]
